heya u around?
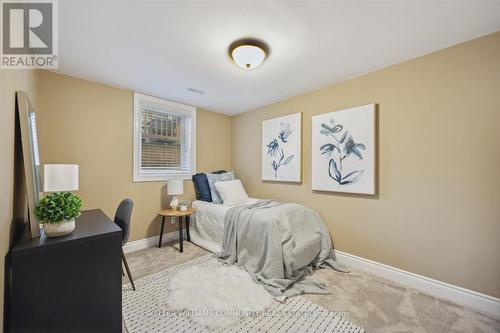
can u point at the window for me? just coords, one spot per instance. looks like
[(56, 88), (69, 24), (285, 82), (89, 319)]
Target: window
[(164, 139)]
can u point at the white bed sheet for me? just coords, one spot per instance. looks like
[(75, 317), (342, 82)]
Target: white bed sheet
[(207, 227)]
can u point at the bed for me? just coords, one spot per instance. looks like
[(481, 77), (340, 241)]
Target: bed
[(277, 243), (207, 227)]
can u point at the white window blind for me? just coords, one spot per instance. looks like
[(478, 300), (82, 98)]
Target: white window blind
[(164, 139)]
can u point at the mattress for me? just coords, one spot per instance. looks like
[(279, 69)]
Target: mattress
[(207, 226)]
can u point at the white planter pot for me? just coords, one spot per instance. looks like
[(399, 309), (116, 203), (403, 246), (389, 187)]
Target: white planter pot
[(62, 228)]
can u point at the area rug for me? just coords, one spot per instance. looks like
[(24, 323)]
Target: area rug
[(224, 289), (157, 306)]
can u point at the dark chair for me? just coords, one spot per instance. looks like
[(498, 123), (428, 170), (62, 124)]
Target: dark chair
[(122, 219)]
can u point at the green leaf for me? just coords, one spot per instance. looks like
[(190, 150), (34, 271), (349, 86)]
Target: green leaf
[(58, 206)]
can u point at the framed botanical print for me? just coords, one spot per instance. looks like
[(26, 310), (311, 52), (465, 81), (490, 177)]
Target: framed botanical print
[(281, 148), (343, 150)]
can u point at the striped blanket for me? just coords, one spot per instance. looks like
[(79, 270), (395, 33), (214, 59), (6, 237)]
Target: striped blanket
[(279, 244)]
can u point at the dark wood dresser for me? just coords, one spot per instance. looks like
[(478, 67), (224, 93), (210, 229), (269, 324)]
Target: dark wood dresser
[(66, 284)]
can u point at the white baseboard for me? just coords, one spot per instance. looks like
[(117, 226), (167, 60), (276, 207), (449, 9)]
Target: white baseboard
[(475, 300), (151, 242), (472, 299)]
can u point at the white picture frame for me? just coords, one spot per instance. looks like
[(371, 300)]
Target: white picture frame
[(344, 151), (282, 148)]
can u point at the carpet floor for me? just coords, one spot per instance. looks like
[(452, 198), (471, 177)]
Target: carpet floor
[(145, 309), (374, 303)]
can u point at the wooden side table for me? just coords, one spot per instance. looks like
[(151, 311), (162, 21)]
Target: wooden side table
[(180, 216)]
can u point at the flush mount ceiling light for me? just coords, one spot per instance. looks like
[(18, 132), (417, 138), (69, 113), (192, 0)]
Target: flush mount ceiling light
[(248, 53)]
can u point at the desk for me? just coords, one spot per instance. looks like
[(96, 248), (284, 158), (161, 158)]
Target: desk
[(69, 283)]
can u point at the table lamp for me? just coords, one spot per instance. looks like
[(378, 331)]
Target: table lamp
[(175, 187)]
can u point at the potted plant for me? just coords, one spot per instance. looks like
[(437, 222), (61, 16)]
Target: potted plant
[(57, 211), (183, 205)]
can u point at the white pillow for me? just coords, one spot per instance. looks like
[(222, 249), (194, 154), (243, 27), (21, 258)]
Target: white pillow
[(231, 192)]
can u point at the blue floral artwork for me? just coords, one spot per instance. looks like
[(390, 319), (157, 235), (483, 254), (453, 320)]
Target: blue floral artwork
[(276, 147), (281, 148), (343, 150), (342, 147)]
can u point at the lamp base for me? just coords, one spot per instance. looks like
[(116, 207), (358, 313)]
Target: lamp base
[(174, 204)]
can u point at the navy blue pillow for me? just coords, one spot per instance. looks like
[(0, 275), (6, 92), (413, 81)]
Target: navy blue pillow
[(201, 186)]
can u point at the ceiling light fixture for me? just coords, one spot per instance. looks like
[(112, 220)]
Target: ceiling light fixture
[(248, 53)]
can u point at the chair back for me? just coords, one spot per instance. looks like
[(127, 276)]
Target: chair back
[(122, 218)]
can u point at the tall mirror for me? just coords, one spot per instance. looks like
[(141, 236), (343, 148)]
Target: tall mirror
[(31, 157)]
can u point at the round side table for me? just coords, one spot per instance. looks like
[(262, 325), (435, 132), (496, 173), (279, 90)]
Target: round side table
[(180, 215)]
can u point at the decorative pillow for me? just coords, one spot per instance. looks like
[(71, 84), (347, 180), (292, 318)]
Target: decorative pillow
[(214, 178), (232, 192), (201, 187)]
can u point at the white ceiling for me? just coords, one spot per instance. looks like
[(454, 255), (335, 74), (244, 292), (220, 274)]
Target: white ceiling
[(164, 48)]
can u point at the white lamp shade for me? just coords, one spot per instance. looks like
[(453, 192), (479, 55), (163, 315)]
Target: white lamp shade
[(175, 186), (248, 56), (60, 177)]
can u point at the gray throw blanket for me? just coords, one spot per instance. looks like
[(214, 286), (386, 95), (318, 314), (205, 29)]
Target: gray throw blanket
[(278, 244)]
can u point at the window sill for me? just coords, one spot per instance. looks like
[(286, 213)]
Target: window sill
[(162, 178)]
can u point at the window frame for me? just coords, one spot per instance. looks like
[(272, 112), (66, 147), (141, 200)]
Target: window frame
[(169, 107)]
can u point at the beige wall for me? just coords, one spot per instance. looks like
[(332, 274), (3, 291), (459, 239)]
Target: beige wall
[(91, 125), (437, 212), (10, 82)]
